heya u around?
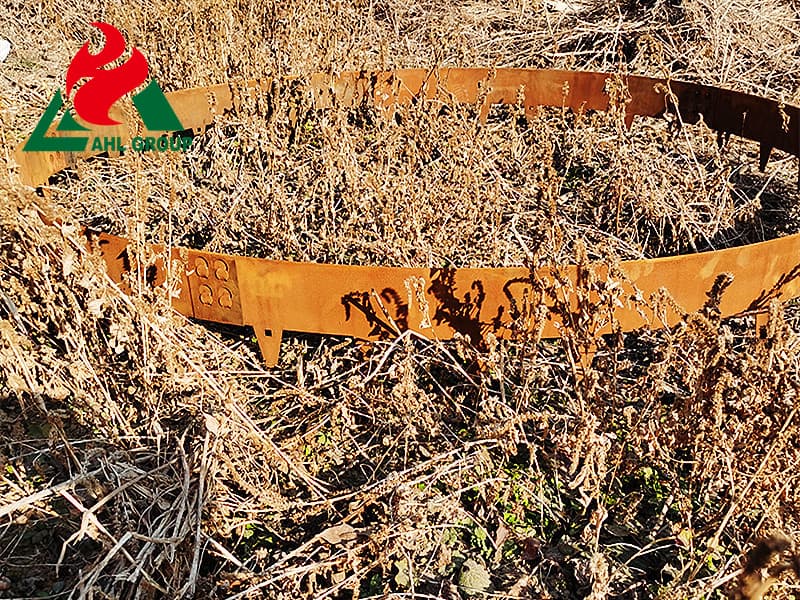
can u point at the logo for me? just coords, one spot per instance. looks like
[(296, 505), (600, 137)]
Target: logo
[(103, 85)]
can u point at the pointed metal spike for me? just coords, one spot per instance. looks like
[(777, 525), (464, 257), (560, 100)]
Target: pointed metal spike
[(483, 116), (762, 324), (629, 114), (763, 155), (269, 342)]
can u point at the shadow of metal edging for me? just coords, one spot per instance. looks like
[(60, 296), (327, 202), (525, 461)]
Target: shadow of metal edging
[(379, 302)]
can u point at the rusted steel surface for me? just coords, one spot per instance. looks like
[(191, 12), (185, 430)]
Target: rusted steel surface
[(379, 302)]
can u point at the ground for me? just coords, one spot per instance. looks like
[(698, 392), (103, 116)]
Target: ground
[(146, 456)]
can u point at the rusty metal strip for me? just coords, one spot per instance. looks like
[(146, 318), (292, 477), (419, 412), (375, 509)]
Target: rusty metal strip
[(378, 302)]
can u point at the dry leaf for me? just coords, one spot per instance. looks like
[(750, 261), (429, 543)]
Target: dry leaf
[(338, 534), (212, 424)]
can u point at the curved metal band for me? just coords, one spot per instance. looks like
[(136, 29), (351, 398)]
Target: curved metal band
[(375, 302)]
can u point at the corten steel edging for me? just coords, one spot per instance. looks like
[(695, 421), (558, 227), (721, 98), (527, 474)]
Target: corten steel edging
[(375, 302)]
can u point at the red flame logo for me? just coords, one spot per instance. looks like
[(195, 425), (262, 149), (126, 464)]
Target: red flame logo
[(95, 98)]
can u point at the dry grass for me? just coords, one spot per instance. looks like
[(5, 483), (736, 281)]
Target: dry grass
[(146, 456)]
